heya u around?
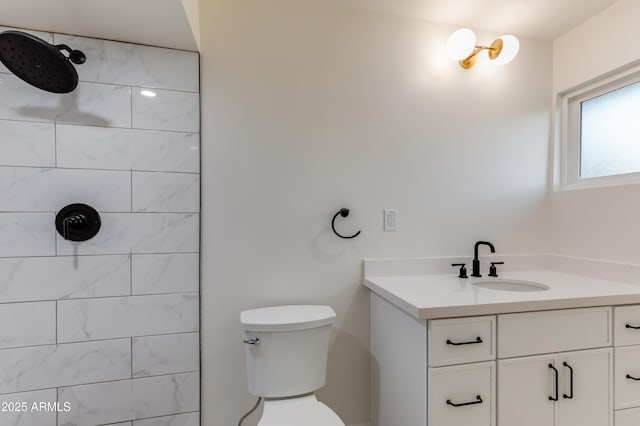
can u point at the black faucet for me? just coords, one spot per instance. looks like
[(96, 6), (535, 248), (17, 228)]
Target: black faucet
[(476, 263)]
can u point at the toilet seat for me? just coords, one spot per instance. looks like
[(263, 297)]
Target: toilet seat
[(301, 411)]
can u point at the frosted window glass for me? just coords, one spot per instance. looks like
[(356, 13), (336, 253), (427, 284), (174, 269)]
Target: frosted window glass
[(610, 133)]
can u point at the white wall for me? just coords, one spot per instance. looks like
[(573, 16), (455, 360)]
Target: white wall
[(601, 44), (600, 222), (109, 325), (192, 9), (308, 108)]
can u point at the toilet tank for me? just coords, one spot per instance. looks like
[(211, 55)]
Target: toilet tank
[(288, 356)]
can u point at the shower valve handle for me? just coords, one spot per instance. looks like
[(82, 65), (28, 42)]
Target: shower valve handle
[(78, 222)]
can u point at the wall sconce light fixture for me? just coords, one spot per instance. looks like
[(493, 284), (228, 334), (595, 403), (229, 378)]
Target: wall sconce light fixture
[(462, 47)]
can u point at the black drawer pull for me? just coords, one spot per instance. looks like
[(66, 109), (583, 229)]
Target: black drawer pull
[(473, 342), (629, 376), (570, 396), (462, 404), (631, 326), (555, 370)]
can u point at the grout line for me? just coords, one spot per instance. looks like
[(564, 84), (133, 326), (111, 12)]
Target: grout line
[(110, 381), (100, 211), (99, 169), (56, 322), (53, 256), (33, 390), (109, 339), (55, 240), (142, 129), (200, 227), (160, 417), (131, 106), (140, 86), (104, 297), (164, 416), (55, 144), (131, 84), (120, 42), (131, 189)]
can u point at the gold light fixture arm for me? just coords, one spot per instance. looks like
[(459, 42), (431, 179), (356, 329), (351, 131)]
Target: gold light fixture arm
[(493, 52)]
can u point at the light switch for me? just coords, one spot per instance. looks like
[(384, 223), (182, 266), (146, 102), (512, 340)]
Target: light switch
[(390, 220)]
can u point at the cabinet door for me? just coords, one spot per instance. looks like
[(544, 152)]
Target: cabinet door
[(627, 371), (524, 388), (588, 402)]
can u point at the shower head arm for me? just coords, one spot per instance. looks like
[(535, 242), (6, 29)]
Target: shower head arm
[(75, 56)]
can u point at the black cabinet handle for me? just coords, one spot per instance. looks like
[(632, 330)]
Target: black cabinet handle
[(473, 342), (570, 381), (631, 326), (555, 371), (629, 376), (462, 404)]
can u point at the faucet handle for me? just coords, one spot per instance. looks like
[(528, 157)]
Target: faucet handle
[(492, 269), (463, 270)]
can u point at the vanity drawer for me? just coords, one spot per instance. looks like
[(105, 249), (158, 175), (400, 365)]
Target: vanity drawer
[(461, 340), (533, 333), (627, 390), (462, 395), (627, 417), (625, 318)]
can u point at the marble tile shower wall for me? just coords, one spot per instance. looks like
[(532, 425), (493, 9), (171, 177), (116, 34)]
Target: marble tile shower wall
[(110, 325)]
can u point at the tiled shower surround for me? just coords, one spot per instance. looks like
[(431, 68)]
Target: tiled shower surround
[(110, 325)]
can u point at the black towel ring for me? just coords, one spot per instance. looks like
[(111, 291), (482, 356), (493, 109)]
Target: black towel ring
[(344, 213)]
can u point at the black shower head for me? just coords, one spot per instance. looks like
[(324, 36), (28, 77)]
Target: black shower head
[(39, 63)]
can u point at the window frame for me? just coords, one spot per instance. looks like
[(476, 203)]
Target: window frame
[(570, 120)]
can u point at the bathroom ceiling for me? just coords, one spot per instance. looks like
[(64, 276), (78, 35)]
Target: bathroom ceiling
[(540, 19), (166, 23), (154, 22)]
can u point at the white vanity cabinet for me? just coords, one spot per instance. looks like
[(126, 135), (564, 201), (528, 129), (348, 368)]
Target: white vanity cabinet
[(548, 368)]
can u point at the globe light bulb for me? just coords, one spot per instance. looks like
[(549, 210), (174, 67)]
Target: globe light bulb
[(461, 44), (510, 48)]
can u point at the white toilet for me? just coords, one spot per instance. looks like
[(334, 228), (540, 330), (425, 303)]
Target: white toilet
[(287, 350)]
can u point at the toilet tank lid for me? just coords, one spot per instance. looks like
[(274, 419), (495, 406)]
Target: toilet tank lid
[(287, 318)]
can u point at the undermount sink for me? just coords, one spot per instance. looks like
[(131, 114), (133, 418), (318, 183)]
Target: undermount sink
[(510, 285)]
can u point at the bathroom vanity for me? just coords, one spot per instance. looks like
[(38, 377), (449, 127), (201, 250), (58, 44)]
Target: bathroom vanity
[(450, 352)]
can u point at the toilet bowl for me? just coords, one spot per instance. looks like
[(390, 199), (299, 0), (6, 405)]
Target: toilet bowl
[(299, 411), (287, 349)]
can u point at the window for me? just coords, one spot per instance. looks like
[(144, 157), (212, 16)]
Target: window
[(601, 132)]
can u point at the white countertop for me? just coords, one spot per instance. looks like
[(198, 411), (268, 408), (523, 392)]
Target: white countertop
[(442, 296)]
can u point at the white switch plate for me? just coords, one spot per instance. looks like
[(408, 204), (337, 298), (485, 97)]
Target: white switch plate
[(390, 220)]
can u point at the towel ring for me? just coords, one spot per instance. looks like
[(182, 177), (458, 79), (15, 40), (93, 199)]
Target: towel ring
[(344, 213)]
